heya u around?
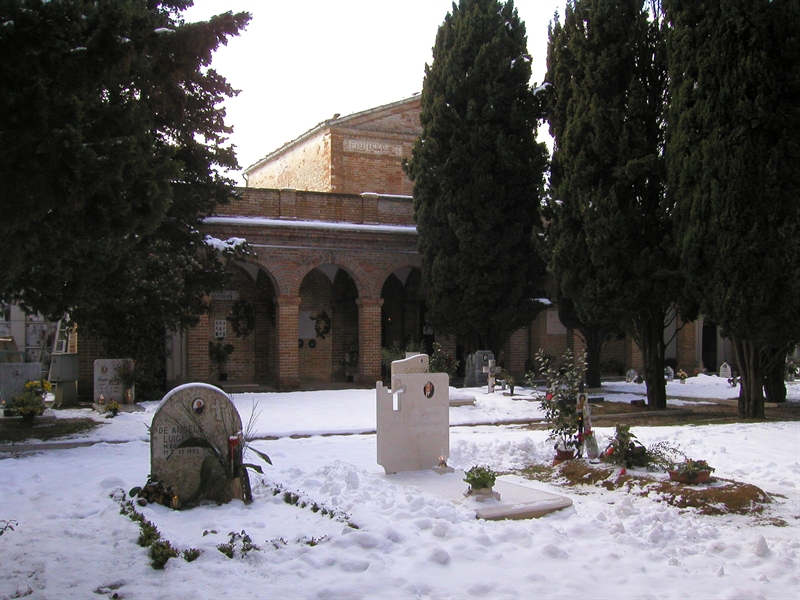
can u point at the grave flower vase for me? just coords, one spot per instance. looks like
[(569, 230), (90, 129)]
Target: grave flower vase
[(699, 477), (562, 455)]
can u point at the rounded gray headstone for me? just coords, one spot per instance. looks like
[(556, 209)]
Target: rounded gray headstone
[(195, 415)]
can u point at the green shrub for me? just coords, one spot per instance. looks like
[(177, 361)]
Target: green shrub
[(480, 477), (160, 552)]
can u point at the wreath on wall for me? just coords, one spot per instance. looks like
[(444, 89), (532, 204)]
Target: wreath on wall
[(242, 318), (322, 324)]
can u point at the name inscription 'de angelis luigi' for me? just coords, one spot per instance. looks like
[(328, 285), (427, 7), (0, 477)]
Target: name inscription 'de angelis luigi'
[(167, 438)]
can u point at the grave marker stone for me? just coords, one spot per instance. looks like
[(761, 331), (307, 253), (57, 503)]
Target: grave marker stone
[(725, 371), (204, 413), (669, 374), (413, 417), (14, 376), (107, 382), (475, 375)]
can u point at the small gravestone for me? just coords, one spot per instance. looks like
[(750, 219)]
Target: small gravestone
[(631, 375), (669, 374), (108, 383), (14, 376), (193, 437), (475, 376), (725, 371), (413, 417)]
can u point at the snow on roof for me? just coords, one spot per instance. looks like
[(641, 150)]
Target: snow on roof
[(262, 221)]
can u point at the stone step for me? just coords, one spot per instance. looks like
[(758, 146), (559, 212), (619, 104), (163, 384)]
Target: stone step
[(519, 499)]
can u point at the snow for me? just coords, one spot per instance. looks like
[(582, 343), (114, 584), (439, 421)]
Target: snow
[(221, 245), (69, 540), (541, 88), (331, 225)]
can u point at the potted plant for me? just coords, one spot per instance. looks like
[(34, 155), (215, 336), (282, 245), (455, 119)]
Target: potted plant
[(219, 352), (481, 480), (508, 378), (691, 471), (125, 374), (559, 402), (682, 375)]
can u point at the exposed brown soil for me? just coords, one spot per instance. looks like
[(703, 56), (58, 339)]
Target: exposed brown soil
[(720, 496)]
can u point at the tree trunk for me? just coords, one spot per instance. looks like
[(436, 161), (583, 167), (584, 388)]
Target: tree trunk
[(751, 390), (594, 338), (774, 372), (651, 343)]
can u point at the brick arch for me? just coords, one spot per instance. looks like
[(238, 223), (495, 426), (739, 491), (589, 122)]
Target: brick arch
[(363, 281), (261, 268), (279, 271), (413, 262)]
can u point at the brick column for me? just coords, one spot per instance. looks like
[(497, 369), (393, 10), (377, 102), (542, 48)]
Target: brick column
[(288, 203), (369, 340), (288, 357), (369, 207)]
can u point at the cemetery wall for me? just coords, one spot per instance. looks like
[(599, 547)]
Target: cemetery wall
[(516, 352), (687, 347), (89, 349), (314, 206)]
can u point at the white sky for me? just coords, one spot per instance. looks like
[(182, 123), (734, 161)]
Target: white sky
[(301, 61)]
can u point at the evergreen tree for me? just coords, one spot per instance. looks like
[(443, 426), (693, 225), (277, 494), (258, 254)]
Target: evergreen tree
[(109, 129), (733, 156), (478, 176), (609, 231)]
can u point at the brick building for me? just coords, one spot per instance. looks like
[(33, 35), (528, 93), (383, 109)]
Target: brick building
[(336, 272), (329, 216)]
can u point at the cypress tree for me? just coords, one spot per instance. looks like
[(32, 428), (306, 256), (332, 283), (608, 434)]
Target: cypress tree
[(733, 156), (609, 222), (478, 176)]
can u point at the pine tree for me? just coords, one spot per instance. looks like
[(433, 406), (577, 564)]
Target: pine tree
[(478, 176), (609, 223), (110, 127), (733, 156)]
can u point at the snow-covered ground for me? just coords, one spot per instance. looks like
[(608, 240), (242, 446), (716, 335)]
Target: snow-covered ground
[(69, 540)]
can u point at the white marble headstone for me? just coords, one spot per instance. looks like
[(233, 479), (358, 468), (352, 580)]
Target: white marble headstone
[(413, 417), (725, 371), (193, 411), (106, 380)]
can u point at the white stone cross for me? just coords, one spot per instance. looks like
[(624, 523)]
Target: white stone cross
[(492, 369)]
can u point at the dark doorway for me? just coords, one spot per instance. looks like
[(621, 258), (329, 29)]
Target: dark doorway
[(710, 346)]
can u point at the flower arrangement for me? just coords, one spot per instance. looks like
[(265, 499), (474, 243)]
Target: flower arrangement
[(558, 405), (480, 477), (113, 408), (682, 375), (441, 362), (40, 386), (30, 403), (691, 471)]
